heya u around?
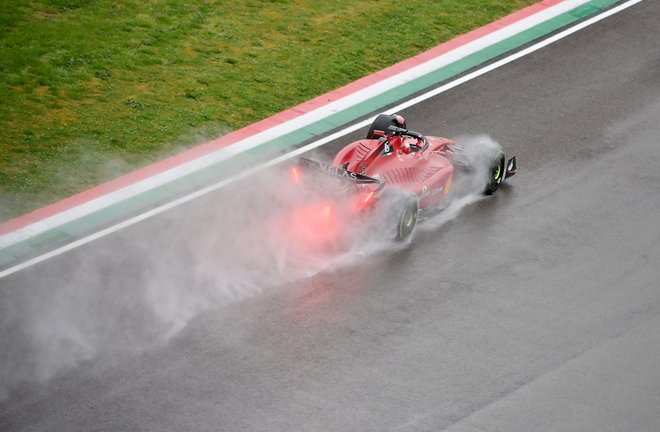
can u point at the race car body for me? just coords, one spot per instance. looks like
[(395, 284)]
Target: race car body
[(418, 170), (427, 173)]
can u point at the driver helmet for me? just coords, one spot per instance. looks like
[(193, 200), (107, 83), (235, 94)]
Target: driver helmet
[(404, 146)]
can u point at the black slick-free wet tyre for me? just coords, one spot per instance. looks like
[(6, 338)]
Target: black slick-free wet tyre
[(407, 218), (496, 173)]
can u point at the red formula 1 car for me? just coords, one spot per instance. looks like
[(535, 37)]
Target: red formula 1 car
[(394, 164)]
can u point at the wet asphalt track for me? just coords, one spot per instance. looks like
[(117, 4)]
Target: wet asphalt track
[(538, 309)]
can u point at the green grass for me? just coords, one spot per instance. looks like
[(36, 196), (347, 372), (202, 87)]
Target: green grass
[(92, 89)]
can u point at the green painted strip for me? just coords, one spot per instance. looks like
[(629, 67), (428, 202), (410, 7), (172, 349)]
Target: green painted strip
[(212, 174)]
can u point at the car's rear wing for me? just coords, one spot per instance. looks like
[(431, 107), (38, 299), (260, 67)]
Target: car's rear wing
[(356, 178)]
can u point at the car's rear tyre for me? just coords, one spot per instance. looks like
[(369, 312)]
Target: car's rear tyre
[(407, 217), (382, 123), (496, 173)]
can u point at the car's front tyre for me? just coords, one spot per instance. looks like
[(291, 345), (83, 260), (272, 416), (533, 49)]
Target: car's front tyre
[(496, 173)]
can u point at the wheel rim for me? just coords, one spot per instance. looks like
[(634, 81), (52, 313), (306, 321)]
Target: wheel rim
[(497, 171), (410, 220)]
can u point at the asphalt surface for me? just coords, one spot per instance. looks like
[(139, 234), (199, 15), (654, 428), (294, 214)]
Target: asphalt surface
[(536, 309)]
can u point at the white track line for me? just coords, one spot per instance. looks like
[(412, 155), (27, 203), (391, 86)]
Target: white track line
[(319, 142)]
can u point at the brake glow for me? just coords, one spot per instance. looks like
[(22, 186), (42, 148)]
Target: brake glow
[(365, 199), (295, 174)]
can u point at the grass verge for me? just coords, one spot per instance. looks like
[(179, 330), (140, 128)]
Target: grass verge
[(92, 89)]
